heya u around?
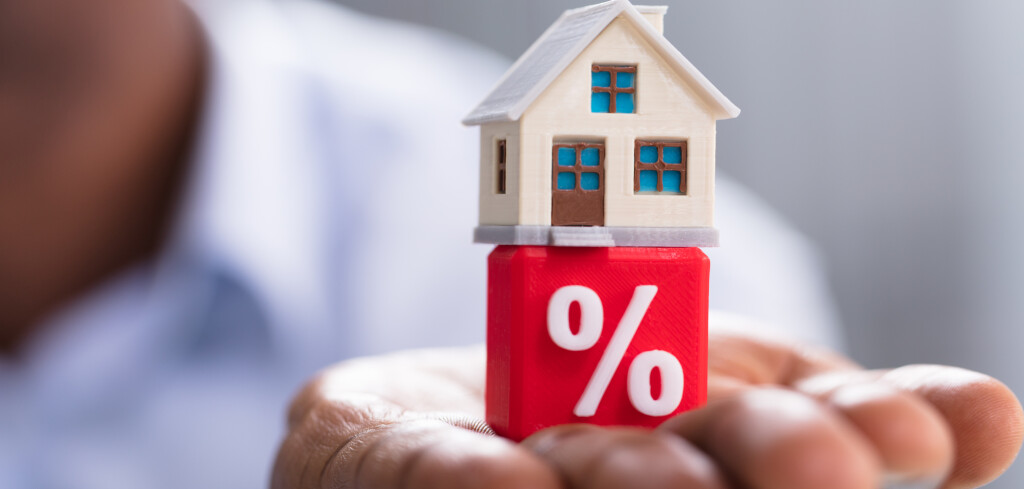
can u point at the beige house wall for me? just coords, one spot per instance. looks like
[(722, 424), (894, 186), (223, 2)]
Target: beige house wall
[(495, 208), (666, 108)]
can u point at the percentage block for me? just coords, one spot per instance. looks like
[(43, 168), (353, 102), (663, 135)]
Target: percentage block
[(607, 336)]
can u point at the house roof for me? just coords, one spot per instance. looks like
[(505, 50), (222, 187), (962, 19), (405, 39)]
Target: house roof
[(559, 46)]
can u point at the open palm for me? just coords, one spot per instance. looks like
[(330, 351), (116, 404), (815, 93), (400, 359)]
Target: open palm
[(780, 416)]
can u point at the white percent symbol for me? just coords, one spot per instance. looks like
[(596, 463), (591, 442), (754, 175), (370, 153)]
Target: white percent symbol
[(638, 380)]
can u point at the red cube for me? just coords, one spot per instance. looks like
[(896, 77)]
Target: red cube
[(607, 336)]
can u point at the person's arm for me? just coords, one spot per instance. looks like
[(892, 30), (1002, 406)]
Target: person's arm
[(779, 416)]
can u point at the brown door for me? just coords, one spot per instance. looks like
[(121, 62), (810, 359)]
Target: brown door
[(577, 184)]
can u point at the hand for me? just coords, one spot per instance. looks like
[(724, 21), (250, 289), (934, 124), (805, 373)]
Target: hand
[(779, 417)]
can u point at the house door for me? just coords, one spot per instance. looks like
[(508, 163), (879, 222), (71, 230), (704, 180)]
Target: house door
[(577, 184)]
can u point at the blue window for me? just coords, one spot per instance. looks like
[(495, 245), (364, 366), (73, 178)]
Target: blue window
[(600, 102), (578, 166), (659, 167), (672, 154), (649, 154), (566, 180), (613, 89), (648, 181), (567, 156), (670, 181), (624, 103)]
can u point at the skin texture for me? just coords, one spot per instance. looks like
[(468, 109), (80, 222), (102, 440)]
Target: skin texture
[(780, 416), (98, 100)]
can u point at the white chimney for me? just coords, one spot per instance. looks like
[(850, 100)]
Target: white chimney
[(655, 14)]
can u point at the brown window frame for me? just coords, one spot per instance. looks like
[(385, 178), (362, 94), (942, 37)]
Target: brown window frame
[(578, 168), (660, 166), (612, 89), (502, 158)]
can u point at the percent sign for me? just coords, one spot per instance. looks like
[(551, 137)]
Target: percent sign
[(638, 383)]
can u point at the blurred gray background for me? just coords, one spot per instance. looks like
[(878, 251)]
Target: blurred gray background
[(889, 132)]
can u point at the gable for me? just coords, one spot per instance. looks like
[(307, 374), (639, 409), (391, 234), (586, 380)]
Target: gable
[(663, 99), (559, 47)]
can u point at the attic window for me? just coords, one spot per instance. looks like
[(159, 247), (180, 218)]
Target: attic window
[(613, 89)]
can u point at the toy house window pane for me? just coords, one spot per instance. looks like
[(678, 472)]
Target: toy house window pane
[(624, 80), (588, 180), (591, 157), (600, 102), (566, 157), (501, 158), (648, 181), (613, 89), (567, 180), (624, 103), (660, 167), (670, 181), (672, 155), (648, 154)]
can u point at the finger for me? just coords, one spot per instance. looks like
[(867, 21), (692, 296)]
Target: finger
[(361, 441), (985, 418), (910, 436), (429, 454), (778, 439), (316, 429), (588, 457), (739, 360)]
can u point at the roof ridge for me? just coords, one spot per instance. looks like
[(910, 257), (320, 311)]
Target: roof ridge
[(584, 9), (561, 43)]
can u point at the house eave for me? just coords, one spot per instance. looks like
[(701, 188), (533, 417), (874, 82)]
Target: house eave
[(487, 119), (718, 105)]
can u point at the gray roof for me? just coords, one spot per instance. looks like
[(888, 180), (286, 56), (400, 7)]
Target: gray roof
[(545, 60)]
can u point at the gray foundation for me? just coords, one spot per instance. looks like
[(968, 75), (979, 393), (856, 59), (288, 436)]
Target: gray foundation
[(597, 236)]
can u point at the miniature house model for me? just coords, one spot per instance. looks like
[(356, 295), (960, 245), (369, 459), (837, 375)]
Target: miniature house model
[(601, 134)]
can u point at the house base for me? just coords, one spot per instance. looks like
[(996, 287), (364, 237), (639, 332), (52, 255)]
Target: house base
[(597, 236)]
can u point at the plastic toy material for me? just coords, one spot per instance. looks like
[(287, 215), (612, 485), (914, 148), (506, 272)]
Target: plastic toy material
[(602, 122), (607, 336), (596, 236)]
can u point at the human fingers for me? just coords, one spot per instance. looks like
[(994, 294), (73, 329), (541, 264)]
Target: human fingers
[(910, 437), (984, 418), (334, 448), (588, 457), (770, 438), (738, 360), (915, 416), (434, 455)]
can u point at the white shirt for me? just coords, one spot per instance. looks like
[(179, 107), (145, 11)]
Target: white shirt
[(328, 214)]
